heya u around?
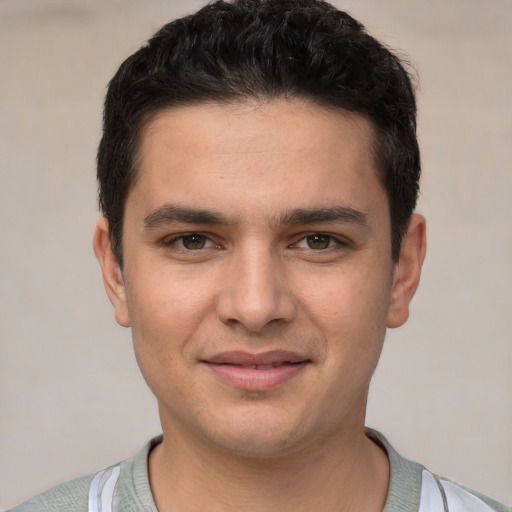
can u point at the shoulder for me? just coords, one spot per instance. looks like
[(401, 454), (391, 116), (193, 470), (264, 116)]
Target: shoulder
[(125, 485), (69, 497), (412, 487), (458, 497)]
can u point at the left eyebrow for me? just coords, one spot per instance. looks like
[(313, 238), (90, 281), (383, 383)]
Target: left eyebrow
[(319, 215)]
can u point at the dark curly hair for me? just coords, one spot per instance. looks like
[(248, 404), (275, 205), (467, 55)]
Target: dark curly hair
[(263, 49)]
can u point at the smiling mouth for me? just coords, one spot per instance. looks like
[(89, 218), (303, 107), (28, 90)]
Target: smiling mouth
[(262, 366), (256, 372)]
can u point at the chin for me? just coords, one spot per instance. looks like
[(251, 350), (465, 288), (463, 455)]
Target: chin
[(256, 444), (258, 434)]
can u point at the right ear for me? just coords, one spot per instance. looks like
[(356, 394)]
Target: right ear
[(112, 273)]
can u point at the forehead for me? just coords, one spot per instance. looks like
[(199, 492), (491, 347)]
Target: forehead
[(272, 155)]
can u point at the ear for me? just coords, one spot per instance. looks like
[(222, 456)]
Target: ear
[(406, 275), (112, 274)]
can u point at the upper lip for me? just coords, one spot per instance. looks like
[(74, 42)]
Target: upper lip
[(238, 357)]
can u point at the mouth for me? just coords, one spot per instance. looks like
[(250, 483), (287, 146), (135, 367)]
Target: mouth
[(256, 372)]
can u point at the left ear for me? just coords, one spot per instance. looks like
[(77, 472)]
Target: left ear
[(406, 275)]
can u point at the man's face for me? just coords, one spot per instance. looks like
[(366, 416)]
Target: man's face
[(257, 276)]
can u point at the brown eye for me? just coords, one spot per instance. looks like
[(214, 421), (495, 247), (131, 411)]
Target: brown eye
[(318, 241), (193, 241)]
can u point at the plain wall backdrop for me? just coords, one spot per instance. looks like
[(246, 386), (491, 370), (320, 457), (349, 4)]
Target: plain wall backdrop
[(71, 397)]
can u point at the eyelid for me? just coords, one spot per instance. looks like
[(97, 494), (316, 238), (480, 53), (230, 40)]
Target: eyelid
[(339, 241), (173, 240)]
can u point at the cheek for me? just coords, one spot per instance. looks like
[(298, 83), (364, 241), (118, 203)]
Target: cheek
[(352, 299), (165, 313), (350, 309), (163, 298), (162, 326)]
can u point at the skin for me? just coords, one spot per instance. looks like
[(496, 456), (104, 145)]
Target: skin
[(267, 269)]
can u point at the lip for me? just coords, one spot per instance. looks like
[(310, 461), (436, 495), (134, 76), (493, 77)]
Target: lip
[(256, 372)]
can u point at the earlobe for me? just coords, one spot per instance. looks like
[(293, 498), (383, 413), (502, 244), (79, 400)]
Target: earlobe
[(112, 274), (407, 271)]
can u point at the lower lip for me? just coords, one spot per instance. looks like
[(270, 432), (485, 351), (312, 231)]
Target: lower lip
[(250, 379)]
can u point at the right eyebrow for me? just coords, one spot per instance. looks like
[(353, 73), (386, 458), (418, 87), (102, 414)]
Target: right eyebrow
[(169, 213)]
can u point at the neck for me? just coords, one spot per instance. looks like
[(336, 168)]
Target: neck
[(346, 473)]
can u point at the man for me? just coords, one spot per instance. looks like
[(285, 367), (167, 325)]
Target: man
[(258, 176)]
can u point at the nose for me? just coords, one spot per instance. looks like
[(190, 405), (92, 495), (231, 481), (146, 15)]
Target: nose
[(255, 292)]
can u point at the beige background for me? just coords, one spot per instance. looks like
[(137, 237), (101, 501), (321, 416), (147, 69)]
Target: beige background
[(71, 398)]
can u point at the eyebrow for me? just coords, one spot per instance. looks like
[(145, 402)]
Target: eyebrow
[(170, 213), (318, 215)]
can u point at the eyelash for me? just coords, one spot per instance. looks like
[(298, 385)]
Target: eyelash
[(333, 242), (174, 241)]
